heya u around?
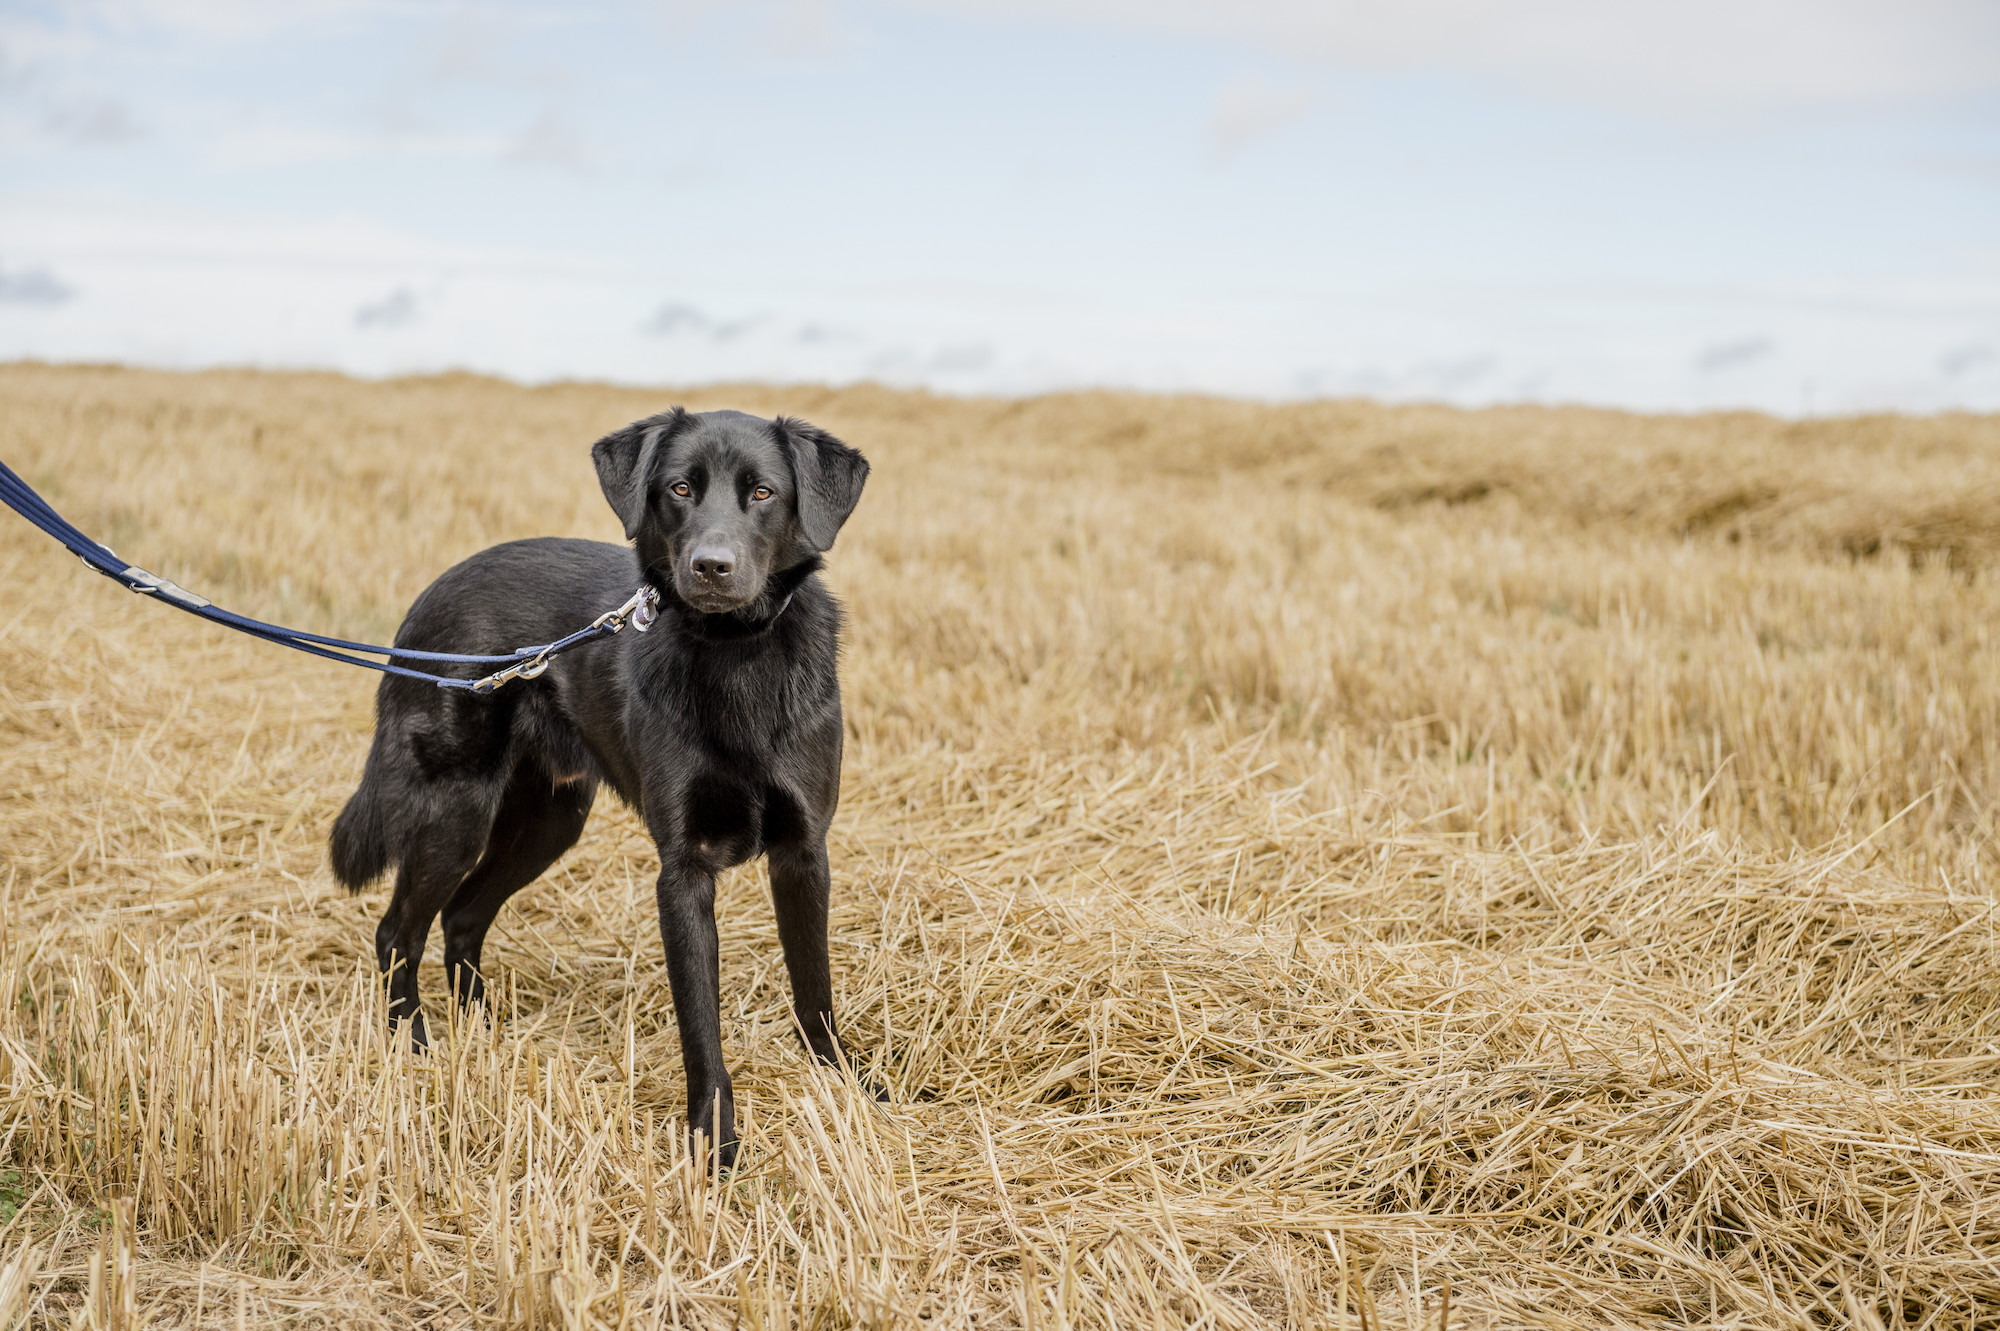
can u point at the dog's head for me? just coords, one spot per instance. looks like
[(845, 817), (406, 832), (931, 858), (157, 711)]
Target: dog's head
[(718, 502)]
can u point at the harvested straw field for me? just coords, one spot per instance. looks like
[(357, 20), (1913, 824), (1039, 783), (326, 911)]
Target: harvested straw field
[(1309, 866)]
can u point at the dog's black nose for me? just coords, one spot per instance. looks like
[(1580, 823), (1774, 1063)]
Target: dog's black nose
[(713, 561)]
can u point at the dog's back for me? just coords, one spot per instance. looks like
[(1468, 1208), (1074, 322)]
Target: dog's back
[(502, 598)]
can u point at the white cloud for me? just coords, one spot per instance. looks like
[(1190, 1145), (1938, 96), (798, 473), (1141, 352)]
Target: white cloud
[(961, 358), (1248, 108), (33, 286), (469, 47), (675, 318), (1698, 58), (1959, 360), (228, 20), (93, 123), (280, 144), (806, 28), (398, 309), (174, 288), (550, 141), (1702, 58), (1734, 355)]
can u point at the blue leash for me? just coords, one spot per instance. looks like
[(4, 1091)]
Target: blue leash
[(523, 663)]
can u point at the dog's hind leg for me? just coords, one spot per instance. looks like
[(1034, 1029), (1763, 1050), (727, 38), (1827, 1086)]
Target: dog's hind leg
[(537, 822), (442, 853)]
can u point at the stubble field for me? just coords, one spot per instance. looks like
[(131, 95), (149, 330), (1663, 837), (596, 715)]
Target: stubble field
[(1327, 865)]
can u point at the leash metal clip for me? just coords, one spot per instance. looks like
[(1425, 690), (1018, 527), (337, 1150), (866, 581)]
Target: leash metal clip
[(640, 612), (648, 609), (525, 670)]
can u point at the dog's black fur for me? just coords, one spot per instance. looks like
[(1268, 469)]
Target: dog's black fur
[(721, 725)]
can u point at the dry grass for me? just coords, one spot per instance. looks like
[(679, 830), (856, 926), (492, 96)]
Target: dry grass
[(1297, 864)]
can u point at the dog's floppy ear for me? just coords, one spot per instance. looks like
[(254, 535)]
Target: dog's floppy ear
[(828, 475), (624, 456)]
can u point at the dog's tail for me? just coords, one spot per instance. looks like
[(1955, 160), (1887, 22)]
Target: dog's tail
[(360, 843)]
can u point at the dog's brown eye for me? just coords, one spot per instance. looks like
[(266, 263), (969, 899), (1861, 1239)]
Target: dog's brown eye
[(681, 489), (762, 492)]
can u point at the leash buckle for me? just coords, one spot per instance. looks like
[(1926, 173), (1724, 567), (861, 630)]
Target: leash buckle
[(152, 584)]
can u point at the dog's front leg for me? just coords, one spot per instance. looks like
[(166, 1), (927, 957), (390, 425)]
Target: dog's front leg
[(687, 927), (800, 886)]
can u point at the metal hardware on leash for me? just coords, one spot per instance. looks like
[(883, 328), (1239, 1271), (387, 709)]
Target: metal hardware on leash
[(639, 612), (156, 585), (526, 670)]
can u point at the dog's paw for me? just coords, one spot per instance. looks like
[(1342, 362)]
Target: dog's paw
[(411, 1033), (721, 1160)]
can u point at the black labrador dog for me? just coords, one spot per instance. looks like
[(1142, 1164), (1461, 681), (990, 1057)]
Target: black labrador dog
[(721, 725)]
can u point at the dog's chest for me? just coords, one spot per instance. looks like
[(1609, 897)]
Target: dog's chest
[(735, 717), (741, 702)]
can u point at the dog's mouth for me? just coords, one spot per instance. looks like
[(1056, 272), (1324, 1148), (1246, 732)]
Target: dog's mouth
[(714, 601), (707, 598)]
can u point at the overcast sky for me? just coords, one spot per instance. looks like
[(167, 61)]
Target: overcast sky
[(1785, 204)]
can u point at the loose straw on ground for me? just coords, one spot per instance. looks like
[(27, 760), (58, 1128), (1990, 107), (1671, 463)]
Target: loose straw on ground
[(1313, 866)]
